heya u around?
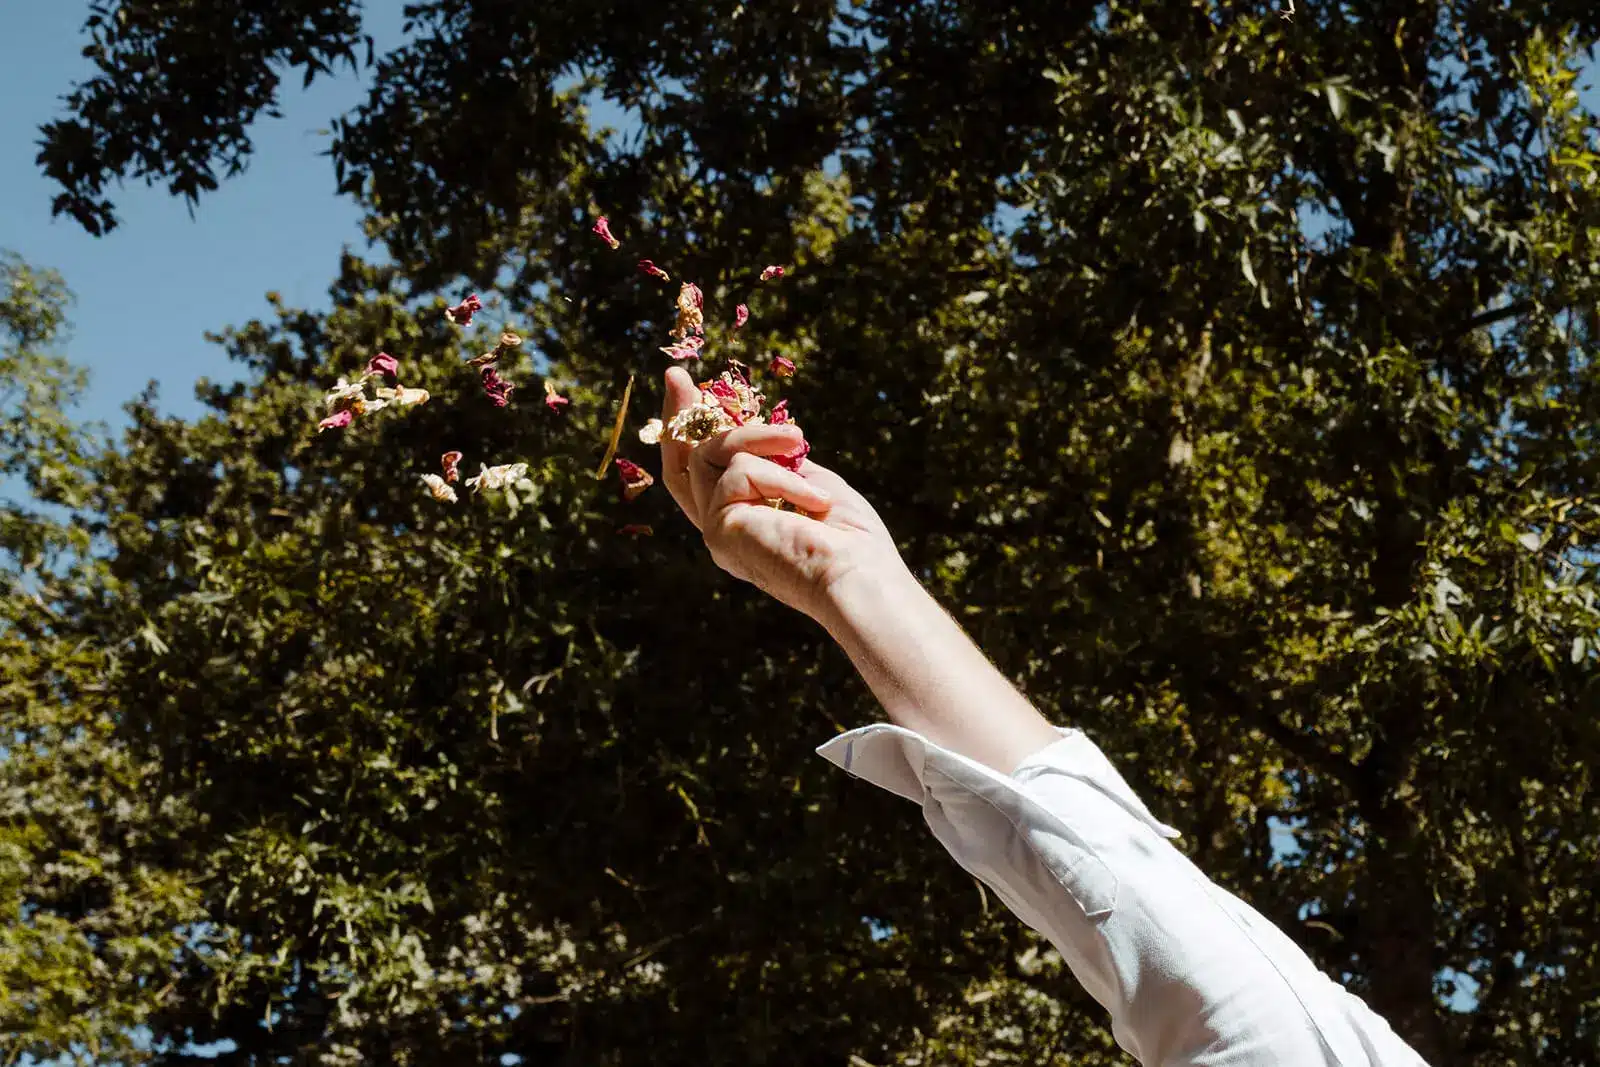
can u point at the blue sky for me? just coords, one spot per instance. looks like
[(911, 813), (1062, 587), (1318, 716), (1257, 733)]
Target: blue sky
[(149, 291)]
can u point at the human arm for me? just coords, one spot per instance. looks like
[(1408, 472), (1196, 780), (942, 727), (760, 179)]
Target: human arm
[(1189, 973), (839, 565)]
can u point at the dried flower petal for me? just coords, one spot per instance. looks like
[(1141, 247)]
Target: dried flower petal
[(402, 396), (637, 529), (385, 364), (509, 340), (635, 479), (344, 394), (793, 460), (779, 416), (439, 490), (337, 420), (451, 462), (552, 399), (688, 348), (497, 477), (741, 315), (462, 313), (496, 388), (722, 392), (487, 359), (782, 367), (698, 422), (733, 392), (650, 432), (691, 311), (603, 228), (654, 271), (771, 272)]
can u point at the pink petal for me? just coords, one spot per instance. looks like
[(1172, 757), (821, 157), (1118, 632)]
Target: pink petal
[(793, 460), (771, 272), (784, 368), (741, 315), (462, 313), (779, 414), (688, 348), (603, 228), (496, 388), (451, 462), (635, 479), (654, 271), (385, 364), (337, 420), (725, 395)]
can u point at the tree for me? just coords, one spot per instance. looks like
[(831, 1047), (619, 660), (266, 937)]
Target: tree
[(1230, 374)]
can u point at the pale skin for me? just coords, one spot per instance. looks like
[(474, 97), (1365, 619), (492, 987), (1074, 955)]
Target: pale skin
[(838, 564)]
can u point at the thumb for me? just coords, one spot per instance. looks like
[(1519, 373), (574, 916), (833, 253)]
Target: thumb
[(681, 393)]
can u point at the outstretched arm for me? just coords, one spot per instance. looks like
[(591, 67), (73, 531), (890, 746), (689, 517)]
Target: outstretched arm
[(1190, 973), (841, 568)]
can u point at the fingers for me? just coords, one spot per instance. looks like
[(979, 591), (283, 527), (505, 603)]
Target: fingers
[(712, 457), (750, 479), (681, 393), (702, 482), (760, 440), (826, 479)]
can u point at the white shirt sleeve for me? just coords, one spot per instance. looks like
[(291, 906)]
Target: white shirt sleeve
[(1191, 974)]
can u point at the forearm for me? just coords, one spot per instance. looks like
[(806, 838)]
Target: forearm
[(927, 673)]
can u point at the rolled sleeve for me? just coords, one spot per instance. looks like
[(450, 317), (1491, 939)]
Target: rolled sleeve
[(1189, 973)]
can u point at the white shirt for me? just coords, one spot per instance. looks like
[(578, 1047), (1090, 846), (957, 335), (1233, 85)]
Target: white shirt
[(1191, 974)]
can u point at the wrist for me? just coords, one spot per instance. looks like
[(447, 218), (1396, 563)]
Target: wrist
[(868, 595)]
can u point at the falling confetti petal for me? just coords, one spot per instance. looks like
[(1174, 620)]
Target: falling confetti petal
[(782, 367), (462, 313), (635, 479), (385, 364), (552, 399), (404, 397), (602, 227), (654, 271), (688, 348), (438, 489), (691, 311), (741, 315), (497, 477), (771, 272), (451, 462), (496, 388)]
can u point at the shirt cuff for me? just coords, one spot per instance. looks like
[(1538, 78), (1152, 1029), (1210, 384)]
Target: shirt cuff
[(896, 759)]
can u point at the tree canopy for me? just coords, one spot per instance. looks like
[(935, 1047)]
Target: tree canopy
[(1229, 373)]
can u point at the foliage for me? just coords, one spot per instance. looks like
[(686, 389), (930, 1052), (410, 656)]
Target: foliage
[(1230, 375)]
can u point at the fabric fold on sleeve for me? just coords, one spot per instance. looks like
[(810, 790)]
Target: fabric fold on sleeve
[(1190, 974), (894, 758)]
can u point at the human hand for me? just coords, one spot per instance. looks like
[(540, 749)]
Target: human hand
[(724, 486)]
